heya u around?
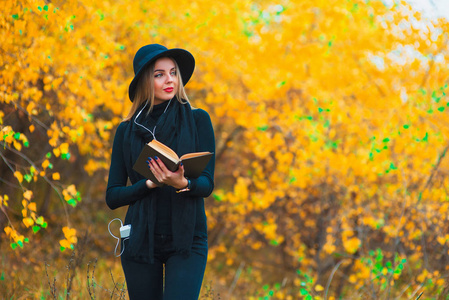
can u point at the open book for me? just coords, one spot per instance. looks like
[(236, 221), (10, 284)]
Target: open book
[(194, 163)]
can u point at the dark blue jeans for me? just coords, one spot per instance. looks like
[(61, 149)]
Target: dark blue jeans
[(183, 275)]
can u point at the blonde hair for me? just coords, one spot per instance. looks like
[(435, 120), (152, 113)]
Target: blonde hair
[(145, 90)]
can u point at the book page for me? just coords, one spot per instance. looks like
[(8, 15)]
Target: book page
[(190, 155), (169, 153)]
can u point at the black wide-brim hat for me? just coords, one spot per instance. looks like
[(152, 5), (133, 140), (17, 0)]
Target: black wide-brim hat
[(150, 53)]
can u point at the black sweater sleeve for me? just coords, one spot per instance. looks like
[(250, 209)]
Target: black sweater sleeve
[(204, 184), (117, 193)]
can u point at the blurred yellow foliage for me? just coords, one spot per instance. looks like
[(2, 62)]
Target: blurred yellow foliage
[(330, 121)]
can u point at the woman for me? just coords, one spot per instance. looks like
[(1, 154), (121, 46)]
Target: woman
[(168, 223)]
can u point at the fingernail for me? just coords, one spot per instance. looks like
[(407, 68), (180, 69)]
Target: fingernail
[(156, 158), (180, 164), (149, 159)]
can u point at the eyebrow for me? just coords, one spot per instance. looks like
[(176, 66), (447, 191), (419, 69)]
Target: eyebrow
[(160, 70)]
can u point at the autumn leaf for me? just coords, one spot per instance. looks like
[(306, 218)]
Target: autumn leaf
[(19, 176)]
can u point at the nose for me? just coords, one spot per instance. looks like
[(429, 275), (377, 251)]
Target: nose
[(170, 77)]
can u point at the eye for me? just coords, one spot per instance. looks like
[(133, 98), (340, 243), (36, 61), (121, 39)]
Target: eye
[(173, 73), (158, 75)]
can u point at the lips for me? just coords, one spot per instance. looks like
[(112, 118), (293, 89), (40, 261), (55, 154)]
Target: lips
[(169, 89)]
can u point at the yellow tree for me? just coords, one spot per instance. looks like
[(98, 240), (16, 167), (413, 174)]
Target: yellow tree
[(329, 118)]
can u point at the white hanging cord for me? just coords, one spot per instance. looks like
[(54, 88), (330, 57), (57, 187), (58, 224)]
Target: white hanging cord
[(154, 129), (118, 239)]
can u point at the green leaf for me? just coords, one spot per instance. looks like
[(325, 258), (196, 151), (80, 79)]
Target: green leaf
[(262, 128), (217, 197), (435, 97), (2, 277), (36, 228), (40, 220), (406, 126), (48, 155), (15, 17), (72, 202), (303, 292), (441, 108), (17, 135), (27, 177), (44, 225), (13, 246), (20, 243), (274, 242), (62, 249)]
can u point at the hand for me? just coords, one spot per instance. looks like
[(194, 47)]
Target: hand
[(164, 175), (150, 184)]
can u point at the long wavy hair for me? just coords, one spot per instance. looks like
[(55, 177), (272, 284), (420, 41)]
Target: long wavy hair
[(145, 90)]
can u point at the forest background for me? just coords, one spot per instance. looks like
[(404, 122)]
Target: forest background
[(331, 123)]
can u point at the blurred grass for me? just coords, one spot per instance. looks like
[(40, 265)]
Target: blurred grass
[(72, 275)]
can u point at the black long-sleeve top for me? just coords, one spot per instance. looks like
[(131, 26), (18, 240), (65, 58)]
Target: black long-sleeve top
[(118, 194)]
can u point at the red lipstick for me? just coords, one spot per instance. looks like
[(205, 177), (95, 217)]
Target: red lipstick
[(169, 89)]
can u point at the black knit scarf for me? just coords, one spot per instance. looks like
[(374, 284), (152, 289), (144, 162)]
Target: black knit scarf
[(175, 128)]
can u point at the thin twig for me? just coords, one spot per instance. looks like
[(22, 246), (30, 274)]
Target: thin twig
[(435, 168), (91, 292), (115, 285), (236, 277), (70, 274), (52, 287), (30, 116), (331, 277), (7, 163), (37, 169)]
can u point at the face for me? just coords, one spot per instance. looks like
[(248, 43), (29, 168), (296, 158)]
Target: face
[(165, 80)]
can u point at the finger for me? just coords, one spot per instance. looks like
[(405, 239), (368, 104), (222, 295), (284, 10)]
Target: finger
[(180, 170), (153, 164), (154, 168), (161, 165)]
